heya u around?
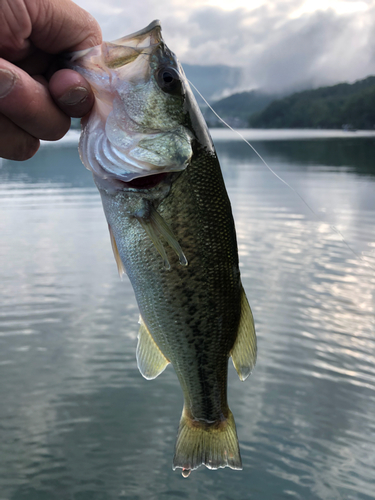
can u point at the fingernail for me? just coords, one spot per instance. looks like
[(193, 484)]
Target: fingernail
[(7, 81), (74, 96)]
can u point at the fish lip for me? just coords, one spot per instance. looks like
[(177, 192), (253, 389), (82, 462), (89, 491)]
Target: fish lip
[(147, 181), (140, 33), (152, 33), (146, 186)]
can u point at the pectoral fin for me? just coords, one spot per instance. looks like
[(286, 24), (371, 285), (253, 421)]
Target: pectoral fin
[(151, 361), (154, 225), (154, 237), (244, 352), (120, 265), (159, 223)]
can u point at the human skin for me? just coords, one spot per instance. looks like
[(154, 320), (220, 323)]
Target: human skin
[(33, 104)]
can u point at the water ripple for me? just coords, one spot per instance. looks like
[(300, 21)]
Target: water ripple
[(76, 417)]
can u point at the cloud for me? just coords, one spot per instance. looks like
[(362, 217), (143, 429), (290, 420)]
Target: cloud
[(320, 48), (281, 44), (280, 52)]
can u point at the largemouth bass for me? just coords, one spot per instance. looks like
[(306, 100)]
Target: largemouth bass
[(172, 232)]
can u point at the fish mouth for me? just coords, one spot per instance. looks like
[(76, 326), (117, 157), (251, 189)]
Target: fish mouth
[(146, 182), (125, 139)]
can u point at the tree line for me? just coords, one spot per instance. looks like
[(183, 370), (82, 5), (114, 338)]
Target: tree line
[(343, 105)]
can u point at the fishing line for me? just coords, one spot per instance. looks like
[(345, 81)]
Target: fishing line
[(331, 226)]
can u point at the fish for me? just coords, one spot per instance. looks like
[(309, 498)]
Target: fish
[(172, 232)]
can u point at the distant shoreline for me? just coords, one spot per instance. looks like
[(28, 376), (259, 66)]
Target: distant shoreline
[(253, 134), (282, 134)]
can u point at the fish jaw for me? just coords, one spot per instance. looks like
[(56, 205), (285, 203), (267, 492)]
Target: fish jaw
[(123, 138)]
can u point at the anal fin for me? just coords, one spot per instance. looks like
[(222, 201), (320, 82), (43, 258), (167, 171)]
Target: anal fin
[(151, 361), (244, 351)]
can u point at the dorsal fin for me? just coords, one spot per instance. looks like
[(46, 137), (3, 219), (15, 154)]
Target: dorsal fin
[(151, 361), (244, 351)]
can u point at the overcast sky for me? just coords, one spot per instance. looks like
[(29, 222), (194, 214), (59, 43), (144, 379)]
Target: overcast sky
[(281, 44)]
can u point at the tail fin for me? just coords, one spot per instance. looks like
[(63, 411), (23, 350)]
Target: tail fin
[(214, 445)]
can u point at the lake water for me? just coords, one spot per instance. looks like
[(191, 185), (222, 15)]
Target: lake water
[(78, 421)]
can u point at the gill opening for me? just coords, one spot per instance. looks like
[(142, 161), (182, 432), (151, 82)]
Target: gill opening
[(331, 226)]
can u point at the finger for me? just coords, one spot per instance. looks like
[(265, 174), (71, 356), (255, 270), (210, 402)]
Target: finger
[(71, 92), (29, 104), (60, 25), (15, 30), (16, 144), (35, 63)]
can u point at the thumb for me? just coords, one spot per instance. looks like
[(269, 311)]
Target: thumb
[(61, 25), (71, 92)]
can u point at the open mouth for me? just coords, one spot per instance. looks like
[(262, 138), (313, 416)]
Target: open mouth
[(146, 182)]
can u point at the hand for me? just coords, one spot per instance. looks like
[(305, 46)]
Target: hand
[(31, 107)]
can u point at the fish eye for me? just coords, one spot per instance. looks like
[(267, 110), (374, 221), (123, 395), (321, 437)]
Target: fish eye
[(169, 80), (167, 77)]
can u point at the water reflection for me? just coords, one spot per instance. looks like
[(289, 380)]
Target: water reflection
[(351, 154), (77, 420)]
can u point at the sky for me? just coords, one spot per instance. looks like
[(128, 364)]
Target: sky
[(281, 45)]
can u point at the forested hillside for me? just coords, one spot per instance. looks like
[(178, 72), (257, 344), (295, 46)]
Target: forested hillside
[(351, 105)]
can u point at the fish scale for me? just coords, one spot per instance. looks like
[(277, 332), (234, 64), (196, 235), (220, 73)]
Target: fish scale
[(193, 312), (172, 232)]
